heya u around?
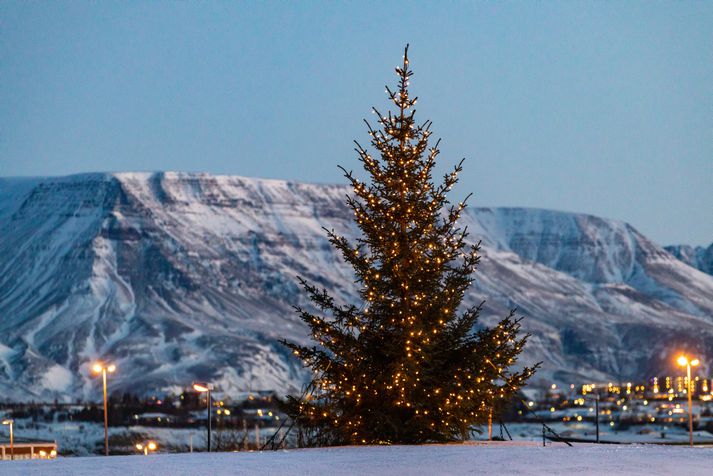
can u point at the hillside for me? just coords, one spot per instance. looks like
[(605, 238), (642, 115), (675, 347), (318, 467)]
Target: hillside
[(697, 256), (178, 277)]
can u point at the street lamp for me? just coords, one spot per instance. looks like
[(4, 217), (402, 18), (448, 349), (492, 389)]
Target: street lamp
[(148, 446), (10, 422), (684, 361), (596, 398), (100, 368), (201, 388)]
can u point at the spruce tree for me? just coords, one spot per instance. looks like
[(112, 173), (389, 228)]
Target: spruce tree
[(407, 365)]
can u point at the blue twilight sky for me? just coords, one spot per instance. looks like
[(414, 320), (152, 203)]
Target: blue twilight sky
[(597, 107)]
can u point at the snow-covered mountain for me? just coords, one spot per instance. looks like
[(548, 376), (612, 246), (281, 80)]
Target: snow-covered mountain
[(697, 256), (179, 277)]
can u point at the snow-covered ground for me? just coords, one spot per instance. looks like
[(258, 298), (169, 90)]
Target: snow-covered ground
[(656, 434), (503, 458), (83, 438)]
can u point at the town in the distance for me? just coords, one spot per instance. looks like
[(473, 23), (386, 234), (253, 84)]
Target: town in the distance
[(654, 410)]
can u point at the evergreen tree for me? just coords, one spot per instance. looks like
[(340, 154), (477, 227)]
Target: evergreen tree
[(406, 366)]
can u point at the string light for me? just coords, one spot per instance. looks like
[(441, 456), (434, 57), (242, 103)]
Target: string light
[(408, 355)]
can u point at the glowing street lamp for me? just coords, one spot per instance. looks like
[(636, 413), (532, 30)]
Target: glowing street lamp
[(10, 422), (100, 368), (205, 388), (146, 447), (683, 361)]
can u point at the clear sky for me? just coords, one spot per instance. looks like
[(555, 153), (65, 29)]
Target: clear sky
[(596, 107)]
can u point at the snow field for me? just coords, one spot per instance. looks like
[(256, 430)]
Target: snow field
[(480, 459)]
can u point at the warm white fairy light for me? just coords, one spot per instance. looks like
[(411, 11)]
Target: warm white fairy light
[(408, 264)]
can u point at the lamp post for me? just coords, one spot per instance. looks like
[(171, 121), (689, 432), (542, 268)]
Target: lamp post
[(595, 396), (685, 361), (100, 368), (201, 388), (10, 422)]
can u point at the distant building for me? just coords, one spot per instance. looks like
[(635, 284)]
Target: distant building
[(25, 448), (155, 418)]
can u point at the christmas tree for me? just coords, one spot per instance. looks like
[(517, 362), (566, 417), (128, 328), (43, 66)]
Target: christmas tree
[(408, 365)]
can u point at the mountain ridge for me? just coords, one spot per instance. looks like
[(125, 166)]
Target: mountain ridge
[(699, 257), (187, 276)]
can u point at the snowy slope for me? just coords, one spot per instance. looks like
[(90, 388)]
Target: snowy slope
[(493, 459), (178, 277), (697, 256)]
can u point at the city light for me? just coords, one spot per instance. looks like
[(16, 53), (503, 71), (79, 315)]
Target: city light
[(148, 446), (683, 361), (654, 400), (99, 367), (200, 387)]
